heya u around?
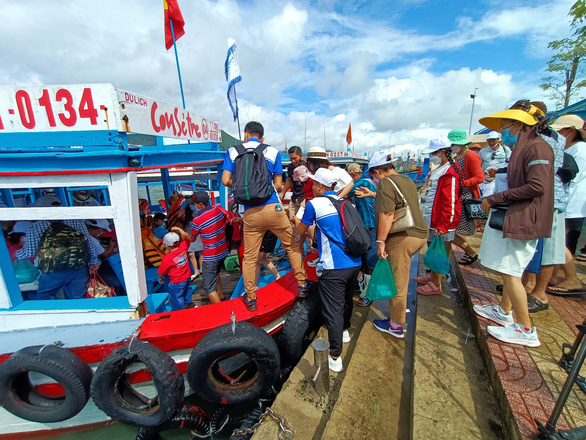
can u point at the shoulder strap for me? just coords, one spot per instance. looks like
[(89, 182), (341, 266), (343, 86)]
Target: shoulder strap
[(323, 232), (260, 148), (398, 190), (239, 149)]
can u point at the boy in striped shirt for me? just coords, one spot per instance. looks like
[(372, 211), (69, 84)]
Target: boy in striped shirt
[(210, 223)]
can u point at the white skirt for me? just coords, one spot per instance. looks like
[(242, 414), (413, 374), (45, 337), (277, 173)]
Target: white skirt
[(505, 255)]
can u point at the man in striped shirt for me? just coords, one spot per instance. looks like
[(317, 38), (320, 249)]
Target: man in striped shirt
[(210, 223)]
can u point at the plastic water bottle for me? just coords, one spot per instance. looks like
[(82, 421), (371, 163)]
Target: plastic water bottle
[(319, 269)]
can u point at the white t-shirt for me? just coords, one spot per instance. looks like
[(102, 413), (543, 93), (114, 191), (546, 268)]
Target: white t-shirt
[(494, 159), (576, 207)]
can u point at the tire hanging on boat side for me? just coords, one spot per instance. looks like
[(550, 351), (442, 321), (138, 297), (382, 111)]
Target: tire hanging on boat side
[(300, 321), (23, 399), (232, 368), (118, 399)]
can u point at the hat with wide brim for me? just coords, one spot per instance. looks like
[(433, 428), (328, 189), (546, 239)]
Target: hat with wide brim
[(437, 144), (570, 121), (494, 121), (317, 153), (458, 137)]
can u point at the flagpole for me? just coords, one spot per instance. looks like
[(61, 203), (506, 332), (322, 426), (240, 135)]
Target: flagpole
[(177, 60), (237, 116)]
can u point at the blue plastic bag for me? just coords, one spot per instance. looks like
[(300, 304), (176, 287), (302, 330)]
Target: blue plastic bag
[(25, 271), (436, 257), (382, 283)]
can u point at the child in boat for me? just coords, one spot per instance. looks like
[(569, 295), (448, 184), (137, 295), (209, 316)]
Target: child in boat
[(175, 264)]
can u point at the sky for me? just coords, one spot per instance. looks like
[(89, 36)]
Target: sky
[(400, 71)]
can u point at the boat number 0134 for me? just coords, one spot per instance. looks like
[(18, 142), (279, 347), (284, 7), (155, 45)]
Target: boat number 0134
[(71, 110)]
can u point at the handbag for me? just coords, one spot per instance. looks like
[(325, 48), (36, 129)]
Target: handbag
[(403, 217), (497, 217), (473, 209), (97, 288)]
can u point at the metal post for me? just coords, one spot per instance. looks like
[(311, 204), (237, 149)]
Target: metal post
[(321, 380), (473, 96)]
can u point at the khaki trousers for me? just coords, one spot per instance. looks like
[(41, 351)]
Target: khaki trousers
[(401, 250), (257, 221)]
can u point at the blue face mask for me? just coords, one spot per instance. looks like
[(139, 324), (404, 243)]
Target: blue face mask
[(507, 138)]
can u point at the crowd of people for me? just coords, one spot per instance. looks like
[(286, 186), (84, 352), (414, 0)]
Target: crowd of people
[(529, 180)]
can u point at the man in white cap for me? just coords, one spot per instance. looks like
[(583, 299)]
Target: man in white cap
[(496, 155), (336, 283)]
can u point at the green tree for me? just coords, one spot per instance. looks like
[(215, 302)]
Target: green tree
[(566, 66)]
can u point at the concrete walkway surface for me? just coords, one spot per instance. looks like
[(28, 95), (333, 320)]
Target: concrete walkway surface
[(448, 379)]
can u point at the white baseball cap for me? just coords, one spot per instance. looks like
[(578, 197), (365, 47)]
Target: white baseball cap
[(99, 223), (493, 135), (379, 158), (437, 144), (171, 239), (324, 176)]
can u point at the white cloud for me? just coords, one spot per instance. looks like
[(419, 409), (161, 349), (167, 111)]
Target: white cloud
[(384, 80)]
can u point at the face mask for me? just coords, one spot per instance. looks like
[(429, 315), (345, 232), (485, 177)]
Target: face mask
[(456, 149), (507, 138), (435, 160)]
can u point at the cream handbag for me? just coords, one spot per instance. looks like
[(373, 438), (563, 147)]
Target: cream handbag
[(403, 217)]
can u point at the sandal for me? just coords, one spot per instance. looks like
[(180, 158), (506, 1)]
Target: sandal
[(423, 280), (429, 289), (363, 302), (467, 260), (581, 257)]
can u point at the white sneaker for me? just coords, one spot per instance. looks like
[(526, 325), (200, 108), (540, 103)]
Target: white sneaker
[(495, 314), (514, 334), (335, 364), (346, 336)]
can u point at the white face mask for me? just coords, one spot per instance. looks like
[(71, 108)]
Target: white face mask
[(435, 160), (456, 149)]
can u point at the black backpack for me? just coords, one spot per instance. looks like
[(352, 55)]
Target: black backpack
[(569, 169), (356, 235), (251, 182)]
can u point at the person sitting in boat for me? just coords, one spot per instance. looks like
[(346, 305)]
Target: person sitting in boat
[(106, 247), (210, 223), (336, 283), (365, 207), (159, 228), (175, 264), (266, 216), (69, 268)]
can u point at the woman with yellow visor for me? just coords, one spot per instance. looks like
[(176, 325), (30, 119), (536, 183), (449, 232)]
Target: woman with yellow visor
[(508, 247)]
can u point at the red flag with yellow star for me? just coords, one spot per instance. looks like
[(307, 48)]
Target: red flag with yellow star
[(173, 15)]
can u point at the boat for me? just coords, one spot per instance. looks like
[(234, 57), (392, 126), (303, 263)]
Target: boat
[(68, 137)]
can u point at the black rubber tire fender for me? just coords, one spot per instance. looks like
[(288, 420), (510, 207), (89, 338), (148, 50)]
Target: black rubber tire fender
[(298, 323), (209, 382), (20, 397), (113, 395), (188, 417)]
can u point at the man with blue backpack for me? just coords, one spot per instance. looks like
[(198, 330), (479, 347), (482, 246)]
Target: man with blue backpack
[(253, 170), (341, 240)]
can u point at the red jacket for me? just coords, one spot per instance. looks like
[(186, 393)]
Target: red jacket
[(447, 206), (473, 171)]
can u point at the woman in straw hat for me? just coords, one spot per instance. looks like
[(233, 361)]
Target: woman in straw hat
[(317, 158), (529, 216)]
